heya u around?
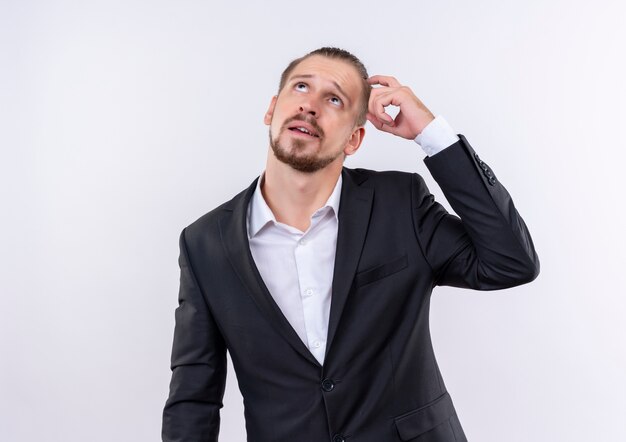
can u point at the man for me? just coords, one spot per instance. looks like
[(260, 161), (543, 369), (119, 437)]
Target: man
[(317, 278)]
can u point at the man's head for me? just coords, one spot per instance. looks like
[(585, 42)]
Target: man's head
[(325, 92)]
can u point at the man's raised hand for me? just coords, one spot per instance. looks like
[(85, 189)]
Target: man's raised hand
[(413, 116)]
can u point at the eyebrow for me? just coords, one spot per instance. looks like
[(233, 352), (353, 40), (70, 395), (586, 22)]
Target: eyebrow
[(334, 82)]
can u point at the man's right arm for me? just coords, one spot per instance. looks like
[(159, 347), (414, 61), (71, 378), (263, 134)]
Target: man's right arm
[(198, 363)]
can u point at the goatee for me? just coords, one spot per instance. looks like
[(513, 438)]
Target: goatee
[(293, 157)]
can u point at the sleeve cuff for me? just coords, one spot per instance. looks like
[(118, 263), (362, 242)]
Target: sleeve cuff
[(436, 136)]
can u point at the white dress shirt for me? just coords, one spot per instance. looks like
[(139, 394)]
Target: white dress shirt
[(297, 267)]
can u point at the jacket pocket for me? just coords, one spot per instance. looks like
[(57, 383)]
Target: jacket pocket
[(380, 271), (425, 418)]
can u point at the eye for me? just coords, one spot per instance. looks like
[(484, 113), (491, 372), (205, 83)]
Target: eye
[(338, 99), (298, 84)]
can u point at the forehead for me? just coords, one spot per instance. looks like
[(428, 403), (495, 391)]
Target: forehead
[(330, 70)]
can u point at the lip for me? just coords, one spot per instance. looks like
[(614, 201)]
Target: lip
[(297, 133), (299, 123)]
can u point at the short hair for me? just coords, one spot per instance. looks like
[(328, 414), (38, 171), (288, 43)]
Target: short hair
[(339, 54)]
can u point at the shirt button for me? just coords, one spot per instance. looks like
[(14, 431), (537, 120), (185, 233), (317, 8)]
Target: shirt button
[(303, 242), (316, 344), (308, 292)]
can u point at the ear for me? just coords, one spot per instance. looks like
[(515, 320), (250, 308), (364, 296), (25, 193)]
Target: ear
[(355, 141), (270, 111)]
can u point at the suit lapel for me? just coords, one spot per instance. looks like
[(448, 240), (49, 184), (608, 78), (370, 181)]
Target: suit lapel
[(355, 207), (234, 236), (354, 213)]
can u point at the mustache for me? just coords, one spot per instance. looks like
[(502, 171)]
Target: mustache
[(311, 121)]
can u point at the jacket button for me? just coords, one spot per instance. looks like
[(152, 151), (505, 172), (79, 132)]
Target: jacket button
[(492, 180), (488, 173), (328, 385), (477, 157), (338, 438)]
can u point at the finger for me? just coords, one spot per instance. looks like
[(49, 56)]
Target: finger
[(377, 105), (378, 124), (375, 121), (380, 91), (385, 80)]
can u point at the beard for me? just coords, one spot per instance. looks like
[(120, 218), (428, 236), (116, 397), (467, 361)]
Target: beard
[(293, 156)]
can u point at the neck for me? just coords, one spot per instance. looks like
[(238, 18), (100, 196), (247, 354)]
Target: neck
[(292, 195)]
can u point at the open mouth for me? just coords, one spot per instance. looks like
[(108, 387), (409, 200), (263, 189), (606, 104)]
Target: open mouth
[(302, 131)]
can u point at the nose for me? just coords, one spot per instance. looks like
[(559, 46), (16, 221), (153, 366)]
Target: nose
[(309, 105)]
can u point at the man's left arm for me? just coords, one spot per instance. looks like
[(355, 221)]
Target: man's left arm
[(489, 246)]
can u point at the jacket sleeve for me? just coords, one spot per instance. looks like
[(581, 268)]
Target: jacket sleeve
[(487, 246), (198, 364)]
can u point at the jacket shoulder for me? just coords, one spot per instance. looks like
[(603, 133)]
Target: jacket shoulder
[(376, 174), (208, 221), (382, 179)]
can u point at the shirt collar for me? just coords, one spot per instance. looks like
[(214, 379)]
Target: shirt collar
[(259, 213)]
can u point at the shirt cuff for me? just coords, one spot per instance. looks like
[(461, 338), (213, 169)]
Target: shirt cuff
[(436, 136)]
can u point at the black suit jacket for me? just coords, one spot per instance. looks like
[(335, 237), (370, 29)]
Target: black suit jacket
[(380, 381)]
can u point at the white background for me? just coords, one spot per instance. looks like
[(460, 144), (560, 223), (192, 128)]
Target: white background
[(121, 122)]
